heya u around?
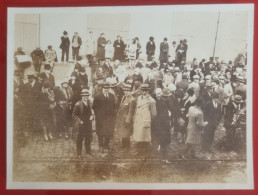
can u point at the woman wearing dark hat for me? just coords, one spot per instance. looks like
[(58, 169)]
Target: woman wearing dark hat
[(125, 115), (83, 78), (64, 103), (194, 129), (150, 49), (65, 44), (47, 110)]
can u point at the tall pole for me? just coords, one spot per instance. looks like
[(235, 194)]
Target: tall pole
[(39, 32), (216, 36)]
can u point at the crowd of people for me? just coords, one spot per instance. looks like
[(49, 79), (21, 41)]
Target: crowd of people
[(146, 102)]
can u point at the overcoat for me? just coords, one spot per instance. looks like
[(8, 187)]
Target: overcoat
[(105, 111), (124, 119), (101, 49), (119, 50), (65, 43), (161, 123), (145, 112), (164, 49), (195, 125)]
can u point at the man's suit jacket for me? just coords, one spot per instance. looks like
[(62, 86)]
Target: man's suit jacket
[(211, 114), (65, 43)]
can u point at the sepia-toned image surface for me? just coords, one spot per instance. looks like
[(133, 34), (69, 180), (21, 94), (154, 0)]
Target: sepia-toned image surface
[(144, 97)]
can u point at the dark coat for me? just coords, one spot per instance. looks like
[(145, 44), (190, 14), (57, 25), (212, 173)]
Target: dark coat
[(164, 51), (78, 117), (76, 87), (51, 79), (150, 48), (79, 40), (46, 112), (183, 84), (161, 123), (124, 119), (65, 43), (181, 50), (105, 111), (83, 80), (213, 116), (119, 50), (37, 55), (101, 49)]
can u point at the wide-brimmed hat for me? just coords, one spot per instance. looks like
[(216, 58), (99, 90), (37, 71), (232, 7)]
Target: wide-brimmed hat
[(196, 76), (240, 79), (166, 92), (64, 81), (85, 92), (113, 83), (145, 87), (237, 99), (127, 87)]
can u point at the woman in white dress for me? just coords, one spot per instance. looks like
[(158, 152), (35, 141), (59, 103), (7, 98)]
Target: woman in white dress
[(132, 53), (109, 50)]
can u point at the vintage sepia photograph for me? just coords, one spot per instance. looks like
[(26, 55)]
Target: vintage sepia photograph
[(130, 97)]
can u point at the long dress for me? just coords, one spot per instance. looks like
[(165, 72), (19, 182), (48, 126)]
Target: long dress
[(101, 49)]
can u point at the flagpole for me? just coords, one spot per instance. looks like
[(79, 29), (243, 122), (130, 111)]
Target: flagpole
[(216, 35)]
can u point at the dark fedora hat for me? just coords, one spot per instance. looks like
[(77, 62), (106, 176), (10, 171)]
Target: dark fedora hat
[(237, 99), (85, 92), (31, 74)]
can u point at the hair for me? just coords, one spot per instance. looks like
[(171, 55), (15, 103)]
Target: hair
[(165, 39), (151, 38), (190, 92)]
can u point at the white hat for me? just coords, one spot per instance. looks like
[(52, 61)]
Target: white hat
[(196, 77)]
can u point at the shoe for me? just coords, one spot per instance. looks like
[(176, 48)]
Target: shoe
[(183, 157), (46, 138), (50, 136), (159, 148), (167, 162)]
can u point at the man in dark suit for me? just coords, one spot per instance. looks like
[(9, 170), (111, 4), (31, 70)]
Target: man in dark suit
[(83, 116), (65, 44), (164, 49), (181, 51), (212, 113), (119, 49), (30, 95), (107, 69), (150, 49), (49, 77), (104, 107), (76, 44)]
